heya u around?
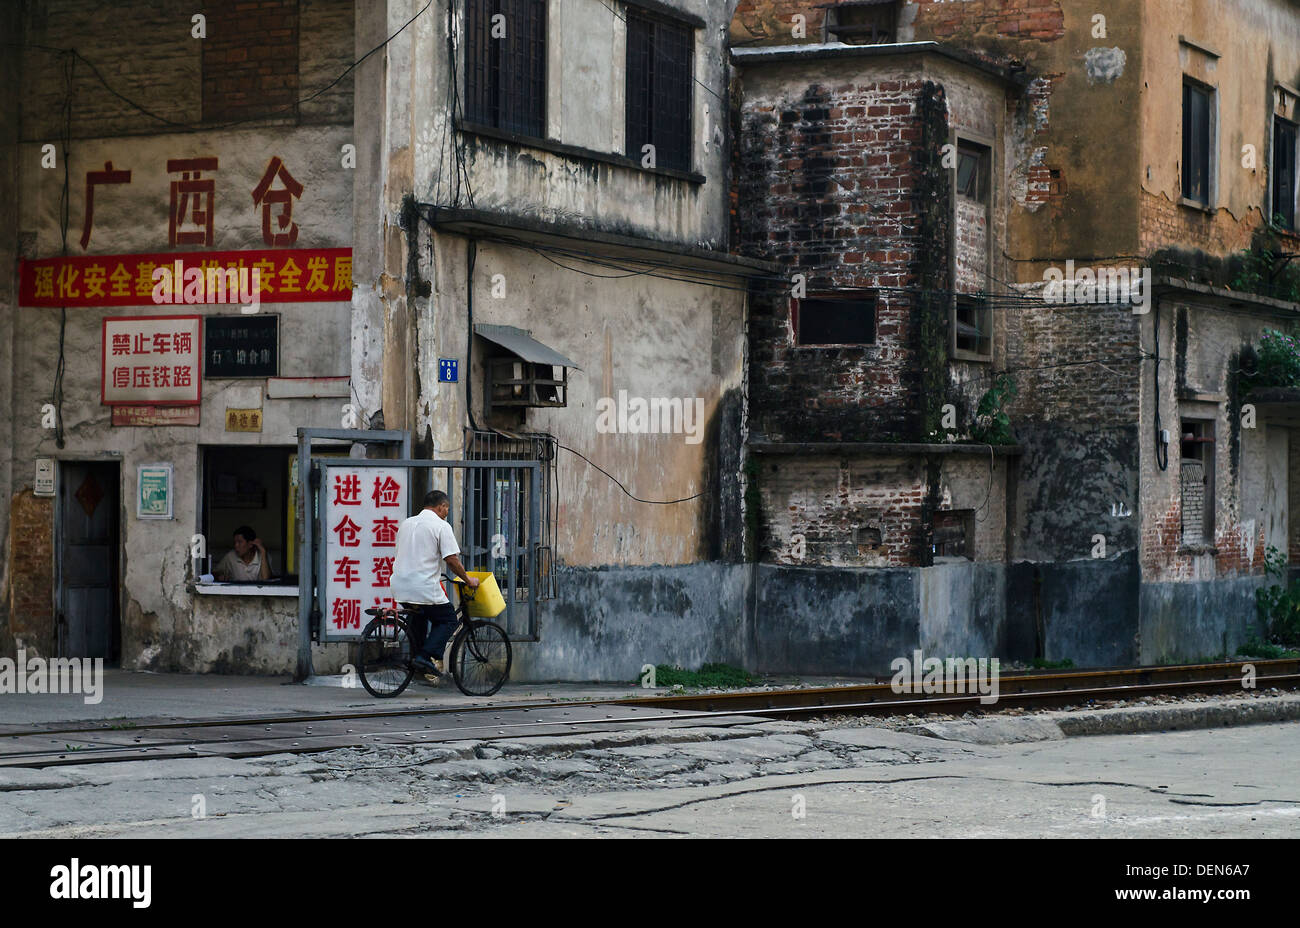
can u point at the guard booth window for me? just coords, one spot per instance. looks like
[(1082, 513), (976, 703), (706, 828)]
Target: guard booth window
[(249, 485)]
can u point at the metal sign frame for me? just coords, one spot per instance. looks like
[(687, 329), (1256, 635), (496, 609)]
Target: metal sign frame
[(312, 564), (307, 535)]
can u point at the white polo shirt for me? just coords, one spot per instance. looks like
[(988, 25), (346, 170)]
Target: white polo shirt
[(424, 541)]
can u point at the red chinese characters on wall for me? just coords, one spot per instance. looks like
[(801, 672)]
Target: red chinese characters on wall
[(286, 230), (363, 507), (192, 201)]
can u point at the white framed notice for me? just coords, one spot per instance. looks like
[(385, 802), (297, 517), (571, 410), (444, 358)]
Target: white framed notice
[(153, 494)]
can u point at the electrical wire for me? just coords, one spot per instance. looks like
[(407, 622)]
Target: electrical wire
[(286, 108), (619, 484), (69, 80)]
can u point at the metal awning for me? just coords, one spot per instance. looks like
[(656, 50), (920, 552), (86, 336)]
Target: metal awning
[(522, 343)]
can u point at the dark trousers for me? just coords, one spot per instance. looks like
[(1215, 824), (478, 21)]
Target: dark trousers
[(430, 627)]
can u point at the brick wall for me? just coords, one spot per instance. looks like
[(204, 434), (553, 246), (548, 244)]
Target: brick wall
[(826, 189), (770, 22), (814, 503), (1041, 20), (1075, 363), (250, 60), (30, 596), (246, 45)]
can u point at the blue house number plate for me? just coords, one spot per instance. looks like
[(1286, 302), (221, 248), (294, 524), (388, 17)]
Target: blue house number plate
[(448, 369)]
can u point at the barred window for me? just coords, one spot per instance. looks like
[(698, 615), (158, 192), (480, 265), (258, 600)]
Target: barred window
[(505, 65), (660, 70)]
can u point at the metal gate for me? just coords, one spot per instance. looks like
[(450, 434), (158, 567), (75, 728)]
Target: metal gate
[(495, 511)]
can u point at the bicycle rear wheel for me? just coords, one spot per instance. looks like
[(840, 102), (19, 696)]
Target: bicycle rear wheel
[(480, 658), (384, 657)]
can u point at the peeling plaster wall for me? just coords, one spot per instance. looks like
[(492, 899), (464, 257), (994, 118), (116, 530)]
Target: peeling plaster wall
[(165, 626), (648, 336), (1258, 44)]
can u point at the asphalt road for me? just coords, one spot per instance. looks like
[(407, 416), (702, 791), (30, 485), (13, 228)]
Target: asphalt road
[(775, 779)]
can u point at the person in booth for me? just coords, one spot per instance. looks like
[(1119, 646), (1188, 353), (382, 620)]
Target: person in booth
[(249, 560)]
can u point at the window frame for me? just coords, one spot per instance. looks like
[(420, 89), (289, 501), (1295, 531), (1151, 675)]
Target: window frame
[(495, 120), (985, 149), (631, 145), (288, 527), (1208, 442), (1193, 86), (1273, 172), (863, 295)]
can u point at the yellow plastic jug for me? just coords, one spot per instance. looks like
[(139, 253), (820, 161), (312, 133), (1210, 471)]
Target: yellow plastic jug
[(487, 603)]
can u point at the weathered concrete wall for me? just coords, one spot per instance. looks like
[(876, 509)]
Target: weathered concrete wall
[(1188, 621), (159, 64), (607, 623), (1258, 44), (856, 621), (647, 336), (1086, 609)]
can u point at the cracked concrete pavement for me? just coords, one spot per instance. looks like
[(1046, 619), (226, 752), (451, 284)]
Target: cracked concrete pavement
[(772, 779)]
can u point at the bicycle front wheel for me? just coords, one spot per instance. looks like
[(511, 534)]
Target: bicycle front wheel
[(384, 657), (480, 658)]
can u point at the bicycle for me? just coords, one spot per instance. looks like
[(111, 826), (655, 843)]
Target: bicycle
[(479, 659)]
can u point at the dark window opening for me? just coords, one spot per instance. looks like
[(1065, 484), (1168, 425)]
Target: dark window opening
[(870, 22), (1196, 478), (973, 326), (249, 485), (849, 319), (973, 172), (505, 65), (954, 534), (660, 70), (1284, 177), (1197, 132)]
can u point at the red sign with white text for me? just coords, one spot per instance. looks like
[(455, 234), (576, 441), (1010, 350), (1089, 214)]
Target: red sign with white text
[(364, 506), (298, 275)]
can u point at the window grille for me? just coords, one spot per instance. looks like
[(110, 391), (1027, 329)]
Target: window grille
[(660, 71), (505, 65), (496, 512)]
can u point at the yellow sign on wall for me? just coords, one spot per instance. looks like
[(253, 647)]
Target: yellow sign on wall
[(243, 420)]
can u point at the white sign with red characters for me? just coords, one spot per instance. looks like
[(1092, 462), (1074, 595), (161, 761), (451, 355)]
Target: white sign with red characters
[(151, 359), (362, 510)]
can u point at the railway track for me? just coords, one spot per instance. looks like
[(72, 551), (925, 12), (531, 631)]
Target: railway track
[(102, 742)]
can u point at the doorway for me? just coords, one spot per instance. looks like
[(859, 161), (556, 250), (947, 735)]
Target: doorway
[(87, 542)]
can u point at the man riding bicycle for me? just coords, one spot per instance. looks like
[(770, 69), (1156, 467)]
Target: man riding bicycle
[(425, 542)]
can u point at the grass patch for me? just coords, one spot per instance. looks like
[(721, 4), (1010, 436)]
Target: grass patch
[(1266, 650), (709, 675), (1042, 663)]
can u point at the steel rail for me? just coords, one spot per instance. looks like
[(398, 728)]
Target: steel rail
[(1038, 690)]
